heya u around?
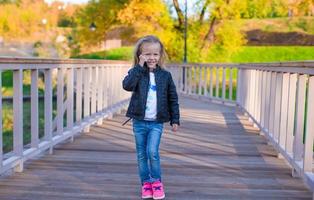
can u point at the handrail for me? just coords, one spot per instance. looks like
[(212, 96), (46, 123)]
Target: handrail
[(92, 90), (278, 98)]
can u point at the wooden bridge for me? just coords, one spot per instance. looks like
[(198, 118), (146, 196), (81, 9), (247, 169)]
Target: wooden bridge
[(252, 142)]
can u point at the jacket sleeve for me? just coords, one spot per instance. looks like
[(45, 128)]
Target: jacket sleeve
[(173, 102), (130, 82)]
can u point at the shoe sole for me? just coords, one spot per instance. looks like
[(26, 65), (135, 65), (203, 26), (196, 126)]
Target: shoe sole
[(147, 197), (158, 198)]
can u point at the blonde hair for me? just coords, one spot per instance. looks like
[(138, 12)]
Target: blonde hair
[(149, 39)]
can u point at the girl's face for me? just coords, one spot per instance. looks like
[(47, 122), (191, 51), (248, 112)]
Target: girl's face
[(151, 51)]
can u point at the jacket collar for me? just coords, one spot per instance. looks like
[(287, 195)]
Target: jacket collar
[(155, 70)]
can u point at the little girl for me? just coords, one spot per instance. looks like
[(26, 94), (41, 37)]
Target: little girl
[(154, 101)]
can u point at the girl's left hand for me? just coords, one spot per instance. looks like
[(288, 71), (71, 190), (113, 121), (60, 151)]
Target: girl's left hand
[(175, 127)]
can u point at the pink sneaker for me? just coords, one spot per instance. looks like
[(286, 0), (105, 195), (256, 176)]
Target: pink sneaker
[(158, 190), (147, 191)]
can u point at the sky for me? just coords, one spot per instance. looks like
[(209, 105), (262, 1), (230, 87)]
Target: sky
[(190, 2), (181, 2), (69, 1)]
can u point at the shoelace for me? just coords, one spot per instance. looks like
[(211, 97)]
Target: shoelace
[(157, 187)]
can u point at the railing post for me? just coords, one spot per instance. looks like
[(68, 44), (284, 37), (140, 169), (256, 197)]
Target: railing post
[(263, 95), (267, 97), (277, 108), (230, 84), (79, 94), (70, 83), (223, 83), (195, 80), (1, 137), (258, 96), (48, 107), (252, 89), (34, 108), (60, 99), (100, 89), (284, 111), (206, 71), (105, 88), (18, 117), (185, 80), (200, 81), (309, 131), (86, 95), (291, 112), (239, 87), (211, 83), (298, 138), (217, 82), (94, 90), (272, 103)]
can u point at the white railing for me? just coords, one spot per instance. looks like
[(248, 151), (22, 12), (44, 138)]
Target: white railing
[(277, 97), (93, 92)]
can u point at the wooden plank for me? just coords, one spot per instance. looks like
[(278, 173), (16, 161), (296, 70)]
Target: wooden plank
[(216, 147)]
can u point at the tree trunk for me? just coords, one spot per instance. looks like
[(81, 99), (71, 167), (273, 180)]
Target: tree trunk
[(179, 13), (203, 12), (210, 36)]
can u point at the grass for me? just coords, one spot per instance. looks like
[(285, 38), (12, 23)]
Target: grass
[(7, 109), (7, 83), (122, 53), (282, 24), (273, 54)]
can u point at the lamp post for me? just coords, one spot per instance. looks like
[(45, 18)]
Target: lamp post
[(185, 43), (92, 26), (185, 31)]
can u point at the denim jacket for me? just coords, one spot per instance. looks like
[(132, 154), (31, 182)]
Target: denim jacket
[(137, 82)]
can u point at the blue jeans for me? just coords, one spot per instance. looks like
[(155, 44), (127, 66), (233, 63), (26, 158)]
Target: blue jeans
[(147, 138)]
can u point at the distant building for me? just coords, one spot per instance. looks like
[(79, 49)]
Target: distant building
[(111, 44)]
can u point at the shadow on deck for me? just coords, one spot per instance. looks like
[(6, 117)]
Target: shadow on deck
[(217, 154)]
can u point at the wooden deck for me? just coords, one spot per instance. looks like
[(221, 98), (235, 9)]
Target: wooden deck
[(217, 154)]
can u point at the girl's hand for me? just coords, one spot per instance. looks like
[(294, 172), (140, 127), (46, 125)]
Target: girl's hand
[(175, 127), (143, 59)]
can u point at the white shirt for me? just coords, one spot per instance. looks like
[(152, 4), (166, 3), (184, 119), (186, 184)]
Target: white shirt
[(151, 103)]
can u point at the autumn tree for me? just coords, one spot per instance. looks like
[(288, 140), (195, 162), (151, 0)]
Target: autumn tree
[(152, 17), (103, 13)]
